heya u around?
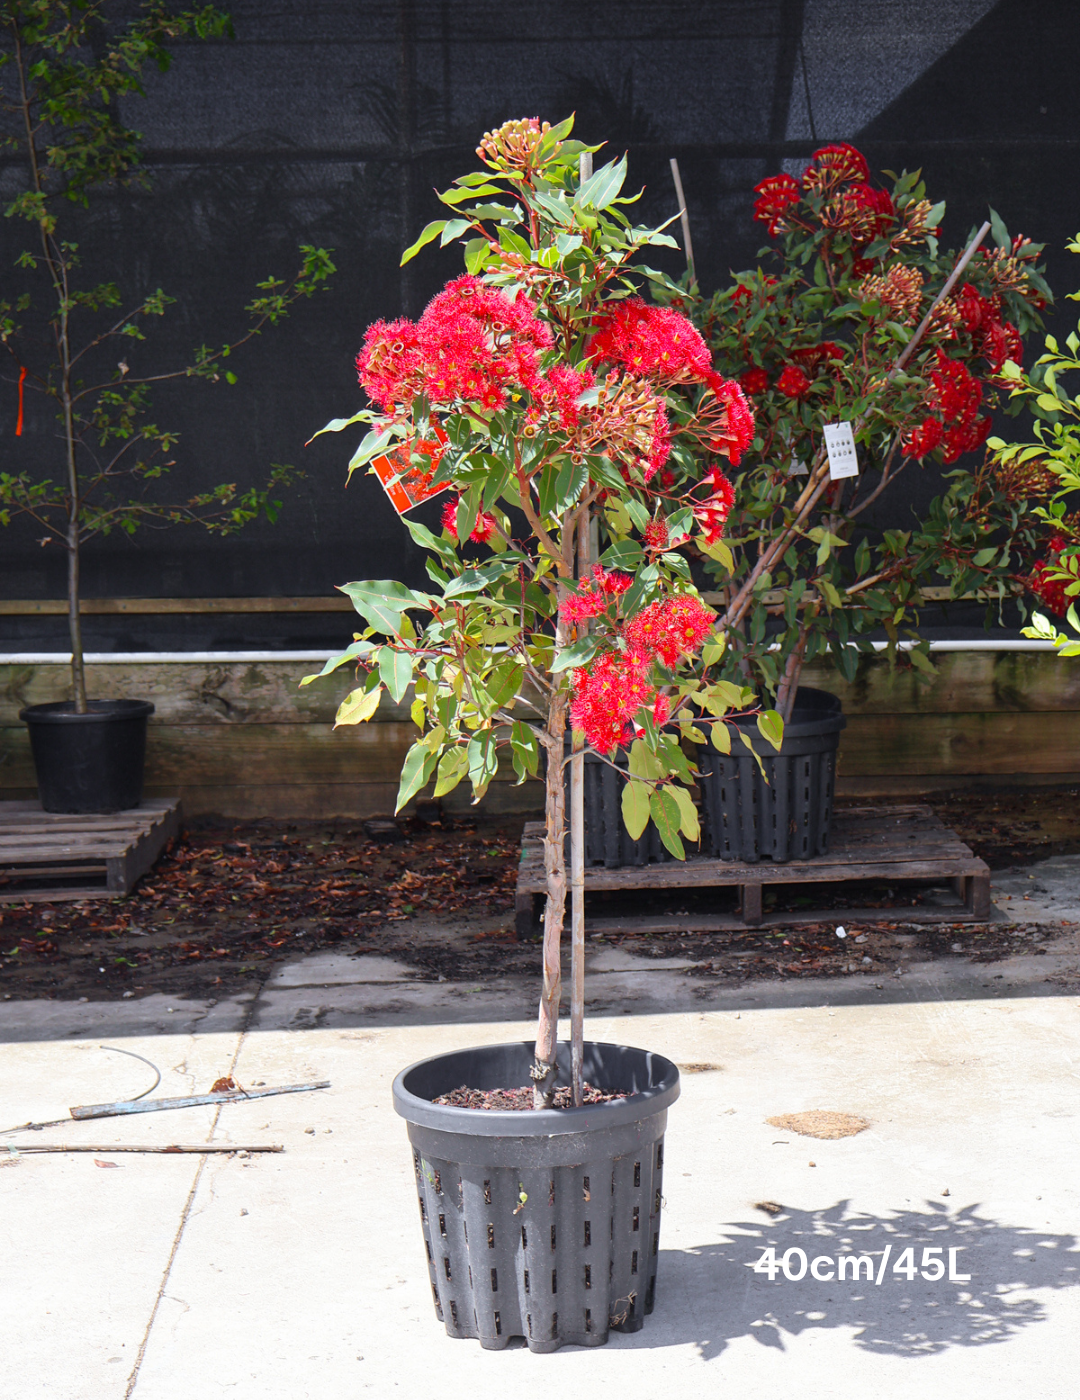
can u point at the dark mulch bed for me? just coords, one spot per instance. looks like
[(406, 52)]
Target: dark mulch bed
[(520, 1099), (231, 900)]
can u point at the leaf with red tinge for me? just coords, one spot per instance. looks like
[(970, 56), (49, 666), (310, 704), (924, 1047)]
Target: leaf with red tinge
[(99, 1163)]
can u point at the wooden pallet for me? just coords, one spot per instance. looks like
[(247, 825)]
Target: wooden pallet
[(46, 856), (867, 843)]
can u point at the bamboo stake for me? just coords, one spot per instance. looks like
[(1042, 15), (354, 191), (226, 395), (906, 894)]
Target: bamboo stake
[(577, 871), (20, 1151), (684, 219)]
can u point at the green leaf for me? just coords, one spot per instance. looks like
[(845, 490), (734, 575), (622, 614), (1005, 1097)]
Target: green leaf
[(453, 229), (431, 232), (370, 447), (664, 811), (453, 766), (689, 824), (476, 253), (635, 808), (984, 556), (719, 551), (600, 189), (382, 601), (643, 763), (416, 773), (337, 424), (577, 654), (525, 750), (351, 653), (713, 649), (395, 672), (721, 737), (771, 728), (483, 761), (357, 706)]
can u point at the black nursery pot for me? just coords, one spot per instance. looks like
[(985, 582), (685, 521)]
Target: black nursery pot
[(92, 762), (789, 817), (607, 841), (543, 1225)]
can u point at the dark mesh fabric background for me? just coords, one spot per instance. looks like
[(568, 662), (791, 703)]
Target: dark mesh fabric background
[(331, 122)]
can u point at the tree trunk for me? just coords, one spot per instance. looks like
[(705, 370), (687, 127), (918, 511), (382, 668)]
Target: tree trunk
[(789, 682)]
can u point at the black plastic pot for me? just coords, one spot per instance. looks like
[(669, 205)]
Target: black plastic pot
[(789, 817), (607, 841), (92, 762), (543, 1225)]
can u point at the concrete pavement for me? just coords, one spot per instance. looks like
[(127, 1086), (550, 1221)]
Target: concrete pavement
[(303, 1275)]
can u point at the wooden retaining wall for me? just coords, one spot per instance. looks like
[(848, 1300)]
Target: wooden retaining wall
[(240, 739)]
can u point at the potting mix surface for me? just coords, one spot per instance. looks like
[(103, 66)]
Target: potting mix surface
[(520, 1100), (232, 899)]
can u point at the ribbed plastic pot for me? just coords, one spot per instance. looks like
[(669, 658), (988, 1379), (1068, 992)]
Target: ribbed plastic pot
[(788, 818), (92, 762), (607, 841), (540, 1224)]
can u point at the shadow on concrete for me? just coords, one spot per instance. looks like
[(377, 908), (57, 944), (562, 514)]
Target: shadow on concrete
[(712, 1297), (399, 999)]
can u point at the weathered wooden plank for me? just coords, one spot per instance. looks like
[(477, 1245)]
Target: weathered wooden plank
[(54, 896), (990, 743), (719, 923), (130, 864), (239, 692), (57, 607), (965, 682)]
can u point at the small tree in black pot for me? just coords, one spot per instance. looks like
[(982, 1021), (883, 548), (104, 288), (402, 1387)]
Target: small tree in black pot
[(68, 340)]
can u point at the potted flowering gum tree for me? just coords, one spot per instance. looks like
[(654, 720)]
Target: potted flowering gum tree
[(567, 422), (860, 328)]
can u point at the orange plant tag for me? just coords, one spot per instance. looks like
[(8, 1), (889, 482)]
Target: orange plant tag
[(403, 483)]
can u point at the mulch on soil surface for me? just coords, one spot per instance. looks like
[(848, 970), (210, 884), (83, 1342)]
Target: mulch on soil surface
[(520, 1099), (231, 900), (227, 902)]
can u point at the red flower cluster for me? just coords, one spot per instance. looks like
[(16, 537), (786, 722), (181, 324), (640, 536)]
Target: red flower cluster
[(727, 421), (835, 165), (813, 358), (483, 529), (996, 339), (864, 213), (670, 627), (595, 594), (793, 382), (609, 693), (652, 341), (566, 387), (470, 343), (1050, 591), (712, 513), (656, 533), (754, 380), (774, 195), (920, 441), (957, 396)]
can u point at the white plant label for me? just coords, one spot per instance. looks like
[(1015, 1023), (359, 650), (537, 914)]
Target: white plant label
[(797, 468), (840, 445)]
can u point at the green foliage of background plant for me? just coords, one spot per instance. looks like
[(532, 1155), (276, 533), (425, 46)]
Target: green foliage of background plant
[(1057, 447)]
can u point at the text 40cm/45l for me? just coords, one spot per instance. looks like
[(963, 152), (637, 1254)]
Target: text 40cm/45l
[(823, 1267)]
